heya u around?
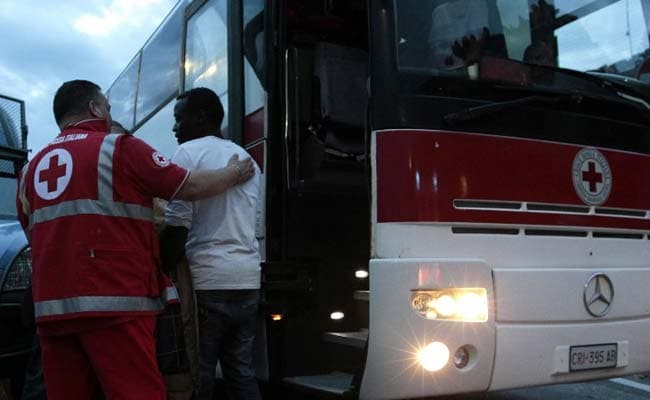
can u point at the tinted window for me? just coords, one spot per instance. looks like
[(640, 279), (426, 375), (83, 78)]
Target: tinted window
[(122, 95), (160, 65)]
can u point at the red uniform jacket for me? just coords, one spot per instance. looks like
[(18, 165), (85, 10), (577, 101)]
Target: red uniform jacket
[(85, 202)]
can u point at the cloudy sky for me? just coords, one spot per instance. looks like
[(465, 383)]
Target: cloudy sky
[(45, 43)]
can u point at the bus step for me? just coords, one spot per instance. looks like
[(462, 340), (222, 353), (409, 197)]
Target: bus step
[(335, 383), (362, 295), (353, 339)]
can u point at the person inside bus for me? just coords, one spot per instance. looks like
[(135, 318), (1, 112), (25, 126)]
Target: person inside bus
[(464, 30), (218, 236)]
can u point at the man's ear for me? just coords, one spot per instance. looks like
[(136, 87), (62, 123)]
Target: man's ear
[(94, 109)]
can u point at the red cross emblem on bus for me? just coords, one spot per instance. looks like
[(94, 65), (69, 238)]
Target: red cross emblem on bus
[(52, 173), (592, 177)]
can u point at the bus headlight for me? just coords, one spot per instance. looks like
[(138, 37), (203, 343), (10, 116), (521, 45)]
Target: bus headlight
[(456, 304), (434, 356), (20, 272)]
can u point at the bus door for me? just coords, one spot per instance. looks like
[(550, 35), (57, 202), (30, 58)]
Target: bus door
[(318, 228)]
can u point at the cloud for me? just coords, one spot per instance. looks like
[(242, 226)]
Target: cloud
[(120, 14), (43, 46)]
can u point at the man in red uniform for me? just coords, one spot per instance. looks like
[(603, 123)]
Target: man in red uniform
[(85, 202)]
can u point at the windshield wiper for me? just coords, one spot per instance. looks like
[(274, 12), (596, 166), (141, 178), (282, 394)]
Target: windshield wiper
[(616, 86), (473, 113)]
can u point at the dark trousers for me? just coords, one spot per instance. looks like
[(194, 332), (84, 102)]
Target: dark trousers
[(226, 334)]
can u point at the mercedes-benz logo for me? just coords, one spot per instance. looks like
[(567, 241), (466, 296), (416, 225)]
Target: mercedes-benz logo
[(598, 294)]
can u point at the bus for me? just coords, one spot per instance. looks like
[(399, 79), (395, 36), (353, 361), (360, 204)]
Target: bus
[(456, 191)]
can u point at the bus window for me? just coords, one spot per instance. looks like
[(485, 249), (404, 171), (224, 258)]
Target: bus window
[(159, 67), (122, 95), (206, 57), (514, 16), (157, 131), (643, 73), (600, 39), (206, 54), (254, 55)]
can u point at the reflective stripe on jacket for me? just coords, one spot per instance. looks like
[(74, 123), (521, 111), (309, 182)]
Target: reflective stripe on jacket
[(94, 246)]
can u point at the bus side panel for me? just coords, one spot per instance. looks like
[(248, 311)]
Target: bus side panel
[(397, 332), (467, 178)]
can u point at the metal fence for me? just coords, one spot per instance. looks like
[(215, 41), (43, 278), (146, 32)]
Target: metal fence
[(13, 135)]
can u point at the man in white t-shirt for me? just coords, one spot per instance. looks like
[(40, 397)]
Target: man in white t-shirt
[(221, 247)]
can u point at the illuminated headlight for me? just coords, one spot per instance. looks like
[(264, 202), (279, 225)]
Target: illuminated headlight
[(20, 272), (434, 356), (457, 304)]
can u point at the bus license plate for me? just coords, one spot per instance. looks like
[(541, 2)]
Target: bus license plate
[(592, 357)]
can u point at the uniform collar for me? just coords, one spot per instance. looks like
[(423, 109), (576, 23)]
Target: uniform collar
[(89, 125)]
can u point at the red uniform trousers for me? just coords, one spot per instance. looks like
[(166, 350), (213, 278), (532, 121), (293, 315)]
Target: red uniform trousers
[(121, 358)]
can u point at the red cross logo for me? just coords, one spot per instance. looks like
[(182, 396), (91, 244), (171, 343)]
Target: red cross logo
[(52, 173), (592, 177), (159, 159)]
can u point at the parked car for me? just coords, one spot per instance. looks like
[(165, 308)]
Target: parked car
[(15, 275), (15, 253)]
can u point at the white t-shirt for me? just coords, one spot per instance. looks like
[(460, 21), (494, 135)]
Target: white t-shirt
[(222, 249)]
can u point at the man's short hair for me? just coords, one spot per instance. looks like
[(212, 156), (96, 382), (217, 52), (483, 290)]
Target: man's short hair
[(73, 98), (204, 99)]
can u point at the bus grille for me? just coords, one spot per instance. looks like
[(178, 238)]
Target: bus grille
[(547, 208)]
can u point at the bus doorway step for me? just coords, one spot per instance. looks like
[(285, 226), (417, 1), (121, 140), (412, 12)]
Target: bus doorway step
[(356, 339), (333, 385)]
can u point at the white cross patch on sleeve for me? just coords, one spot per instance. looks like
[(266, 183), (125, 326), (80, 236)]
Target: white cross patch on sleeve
[(159, 159)]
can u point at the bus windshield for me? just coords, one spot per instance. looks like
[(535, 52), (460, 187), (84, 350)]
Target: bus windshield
[(502, 40)]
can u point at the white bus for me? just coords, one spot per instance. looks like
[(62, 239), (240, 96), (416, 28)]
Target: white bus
[(456, 191)]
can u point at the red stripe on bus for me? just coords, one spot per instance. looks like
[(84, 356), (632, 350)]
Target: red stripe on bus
[(257, 152), (421, 173), (254, 126), (254, 130)]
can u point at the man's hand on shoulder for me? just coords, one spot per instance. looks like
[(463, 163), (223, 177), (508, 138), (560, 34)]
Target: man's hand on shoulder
[(206, 183), (245, 168)]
